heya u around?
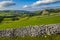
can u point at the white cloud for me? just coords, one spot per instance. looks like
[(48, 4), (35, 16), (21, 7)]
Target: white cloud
[(40, 2), (6, 4), (26, 6)]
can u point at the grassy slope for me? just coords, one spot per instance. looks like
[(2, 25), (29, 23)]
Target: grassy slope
[(36, 20)]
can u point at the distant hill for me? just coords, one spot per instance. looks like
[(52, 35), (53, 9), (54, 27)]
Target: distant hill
[(14, 10)]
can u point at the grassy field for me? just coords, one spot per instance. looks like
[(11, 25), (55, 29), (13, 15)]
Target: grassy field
[(35, 20), (45, 37)]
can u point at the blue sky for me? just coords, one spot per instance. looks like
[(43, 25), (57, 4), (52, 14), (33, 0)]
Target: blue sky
[(27, 4)]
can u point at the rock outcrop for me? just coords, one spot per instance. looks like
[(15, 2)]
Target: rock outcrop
[(31, 31)]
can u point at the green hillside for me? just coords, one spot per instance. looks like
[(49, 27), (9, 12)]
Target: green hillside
[(34, 20)]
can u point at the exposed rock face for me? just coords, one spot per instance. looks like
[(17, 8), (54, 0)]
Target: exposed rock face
[(45, 12), (31, 31)]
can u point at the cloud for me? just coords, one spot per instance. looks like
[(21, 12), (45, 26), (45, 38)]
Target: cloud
[(6, 4), (41, 2), (26, 6)]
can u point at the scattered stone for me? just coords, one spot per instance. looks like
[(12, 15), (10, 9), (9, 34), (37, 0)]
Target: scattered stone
[(45, 36)]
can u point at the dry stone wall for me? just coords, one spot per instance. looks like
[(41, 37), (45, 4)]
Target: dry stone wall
[(31, 31)]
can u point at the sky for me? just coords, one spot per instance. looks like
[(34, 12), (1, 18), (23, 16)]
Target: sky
[(28, 4)]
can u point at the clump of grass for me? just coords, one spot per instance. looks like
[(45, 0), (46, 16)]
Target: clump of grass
[(51, 37)]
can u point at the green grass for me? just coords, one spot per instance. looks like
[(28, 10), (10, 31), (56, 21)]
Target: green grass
[(35, 20), (51, 37)]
